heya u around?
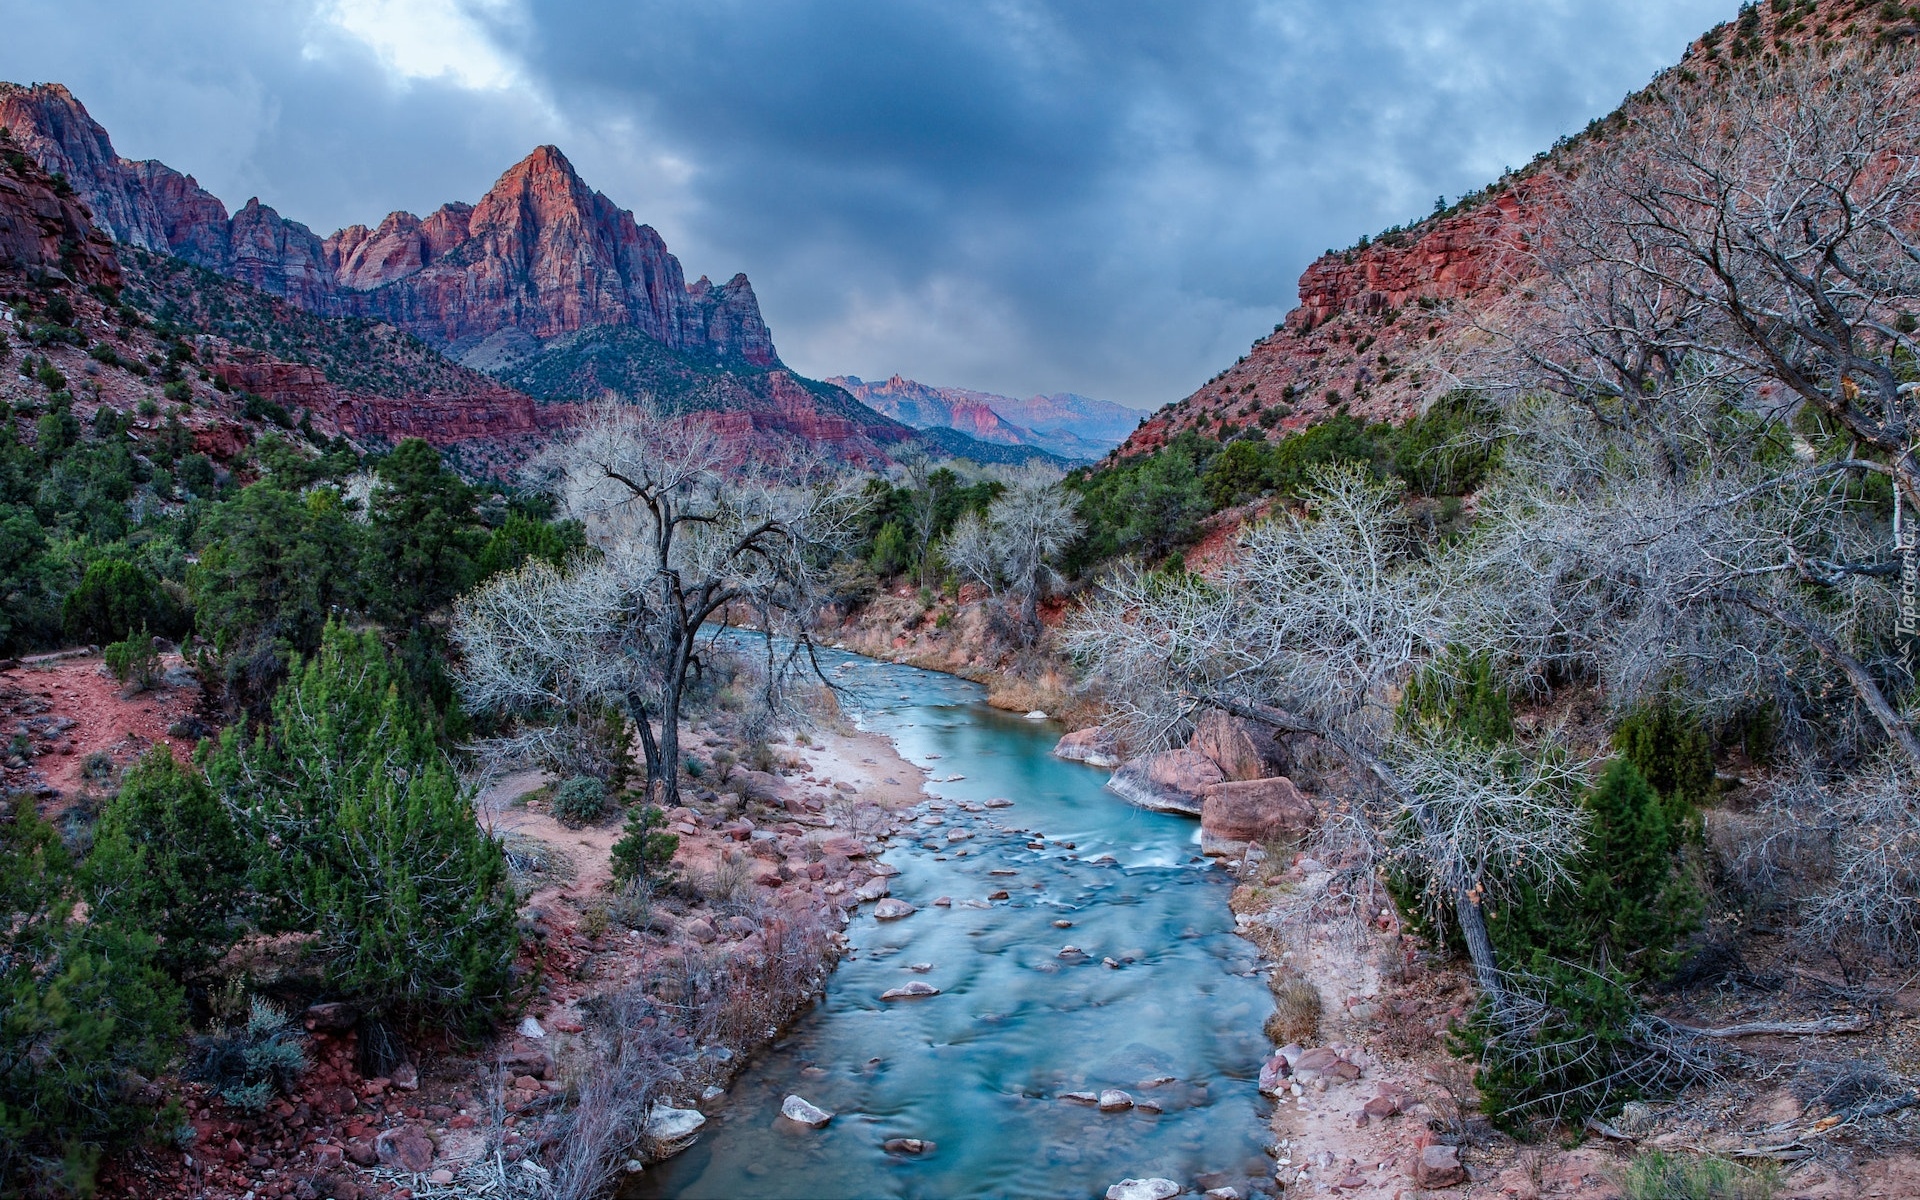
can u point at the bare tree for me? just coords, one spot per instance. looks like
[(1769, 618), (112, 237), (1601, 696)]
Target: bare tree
[(1742, 251), (1313, 630), (1012, 548), (687, 535)]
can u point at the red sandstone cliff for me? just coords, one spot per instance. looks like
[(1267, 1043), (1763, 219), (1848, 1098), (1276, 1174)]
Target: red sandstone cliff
[(44, 228)]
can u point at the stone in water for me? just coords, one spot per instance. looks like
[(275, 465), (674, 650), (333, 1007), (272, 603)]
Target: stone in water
[(793, 1108)]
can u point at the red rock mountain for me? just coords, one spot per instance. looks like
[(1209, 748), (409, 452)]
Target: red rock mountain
[(1379, 325), (541, 255), (1070, 426)]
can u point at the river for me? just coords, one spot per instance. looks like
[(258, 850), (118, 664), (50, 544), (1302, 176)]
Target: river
[(979, 1069)]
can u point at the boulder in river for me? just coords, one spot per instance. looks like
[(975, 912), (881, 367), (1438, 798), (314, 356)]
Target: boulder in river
[(1143, 1189), (1093, 746), (1171, 781), (910, 991), (1238, 812), (891, 909), (793, 1108), (1115, 1100), (873, 889)]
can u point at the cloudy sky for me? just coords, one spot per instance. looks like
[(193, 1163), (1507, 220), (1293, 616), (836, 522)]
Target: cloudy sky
[(1112, 197)]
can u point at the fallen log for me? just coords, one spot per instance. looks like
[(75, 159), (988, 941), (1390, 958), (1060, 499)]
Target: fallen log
[(1852, 1024)]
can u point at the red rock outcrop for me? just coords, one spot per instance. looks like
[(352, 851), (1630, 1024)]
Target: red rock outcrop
[(43, 227), (151, 205), (1379, 326), (1238, 812), (1375, 325)]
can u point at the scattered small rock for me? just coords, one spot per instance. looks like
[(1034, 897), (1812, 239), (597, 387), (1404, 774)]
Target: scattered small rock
[(1437, 1167), (406, 1148)]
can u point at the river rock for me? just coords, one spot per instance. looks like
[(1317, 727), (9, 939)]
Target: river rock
[(1143, 1189), (1081, 1097), (999, 802), (892, 910), (1115, 1100), (910, 991), (1310, 1065), (1236, 813), (872, 889), (907, 1146), (1273, 1076), (1170, 781), (1093, 746), (668, 1124), (793, 1108)]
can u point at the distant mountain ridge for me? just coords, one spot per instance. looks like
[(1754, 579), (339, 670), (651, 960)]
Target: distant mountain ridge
[(1069, 425), (544, 284)]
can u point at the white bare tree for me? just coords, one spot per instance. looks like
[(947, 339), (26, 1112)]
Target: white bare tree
[(1313, 630), (1741, 253), (1012, 548), (687, 535)]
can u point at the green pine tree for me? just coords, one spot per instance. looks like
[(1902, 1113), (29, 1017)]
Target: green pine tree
[(1671, 748), (166, 858), (1635, 901), (365, 838), (83, 1009)]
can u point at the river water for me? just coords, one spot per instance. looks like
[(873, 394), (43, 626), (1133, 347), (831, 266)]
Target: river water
[(979, 1069)]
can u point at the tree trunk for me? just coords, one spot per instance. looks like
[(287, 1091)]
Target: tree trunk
[(637, 712), (1466, 896)]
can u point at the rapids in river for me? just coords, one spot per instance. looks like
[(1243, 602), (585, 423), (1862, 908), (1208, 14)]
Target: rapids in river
[(979, 1070)]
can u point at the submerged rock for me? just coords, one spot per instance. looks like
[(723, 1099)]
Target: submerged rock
[(793, 1108), (910, 991), (907, 1146)]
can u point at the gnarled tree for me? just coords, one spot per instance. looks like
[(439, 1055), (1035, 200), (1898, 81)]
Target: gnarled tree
[(687, 534)]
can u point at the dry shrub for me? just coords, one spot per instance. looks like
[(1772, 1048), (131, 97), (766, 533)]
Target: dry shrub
[(1296, 1010), (641, 1048), (729, 886), (1404, 1029)]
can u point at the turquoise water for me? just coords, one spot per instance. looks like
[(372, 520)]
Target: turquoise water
[(978, 1069)]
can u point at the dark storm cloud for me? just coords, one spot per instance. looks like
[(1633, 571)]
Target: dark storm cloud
[(1108, 197)]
